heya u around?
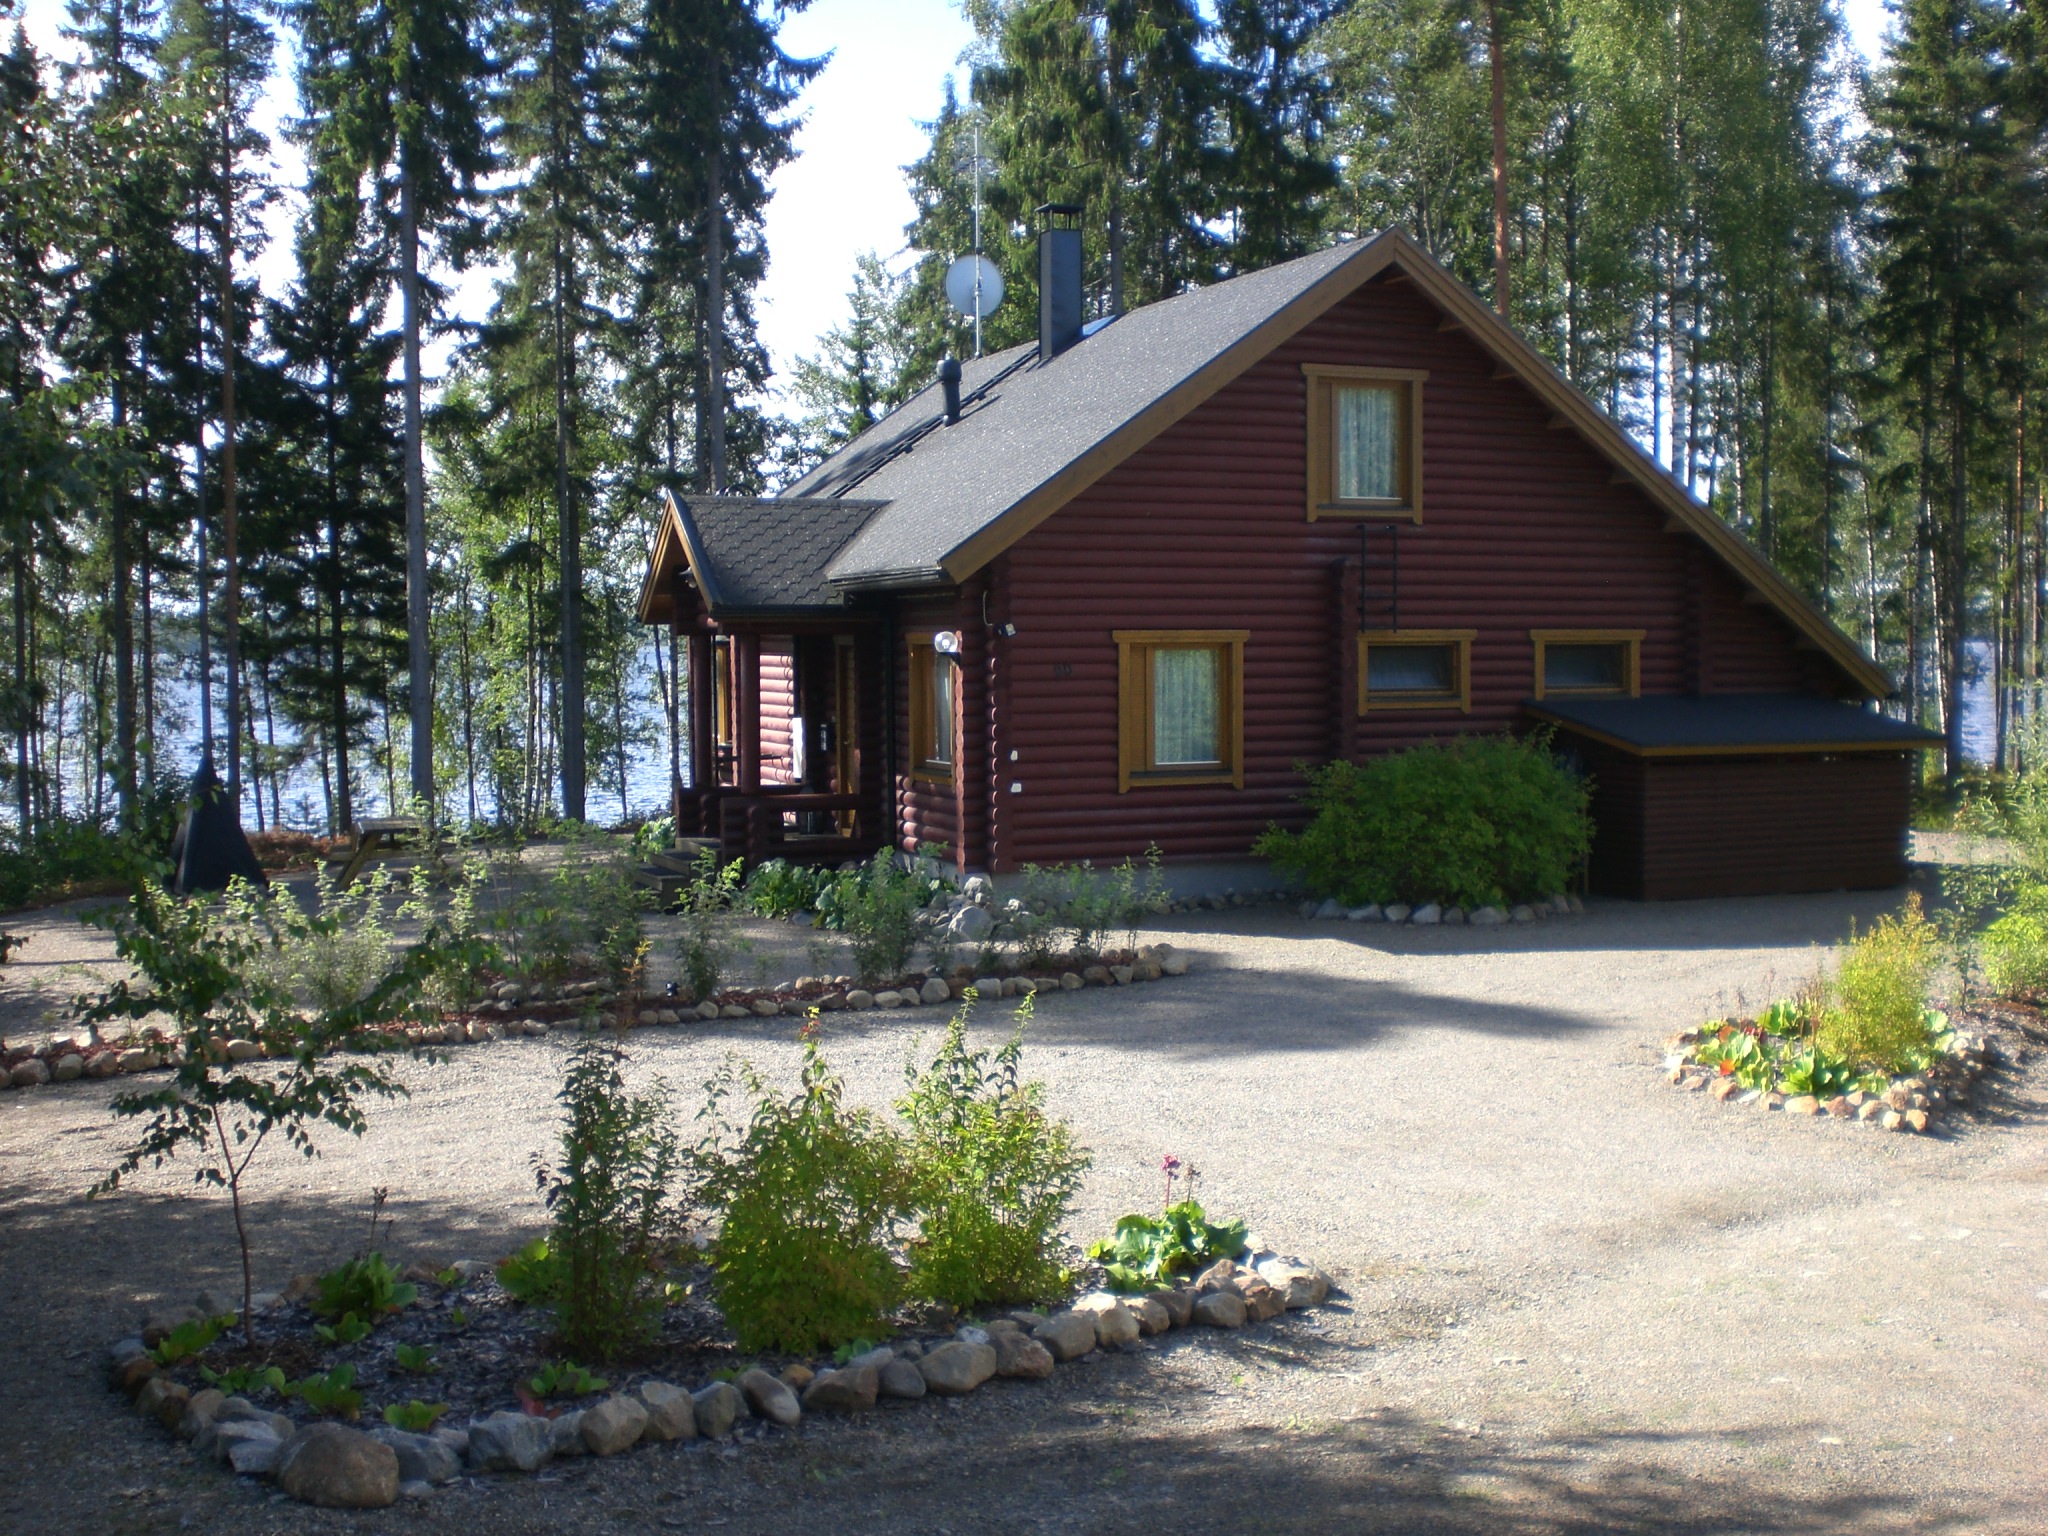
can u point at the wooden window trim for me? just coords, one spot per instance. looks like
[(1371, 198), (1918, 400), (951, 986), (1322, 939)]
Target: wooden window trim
[(1632, 639), (1134, 707), (924, 656), (1459, 699), (1322, 380)]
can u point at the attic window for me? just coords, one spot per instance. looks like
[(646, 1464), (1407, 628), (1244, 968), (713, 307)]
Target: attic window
[(1364, 442), (1587, 663)]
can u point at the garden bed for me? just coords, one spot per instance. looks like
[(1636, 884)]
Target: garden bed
[(468, 1371), (514, 1008)]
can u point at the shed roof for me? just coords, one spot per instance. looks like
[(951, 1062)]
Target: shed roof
[(1727, 724)]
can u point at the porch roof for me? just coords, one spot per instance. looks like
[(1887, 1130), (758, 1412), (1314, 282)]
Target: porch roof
[(1729, 724), (750, 556)]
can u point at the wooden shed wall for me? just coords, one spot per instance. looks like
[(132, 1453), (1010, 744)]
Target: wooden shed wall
[(1672, 828), (1205, 528)]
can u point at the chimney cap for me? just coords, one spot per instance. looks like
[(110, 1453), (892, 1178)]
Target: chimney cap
[(1052, 211)]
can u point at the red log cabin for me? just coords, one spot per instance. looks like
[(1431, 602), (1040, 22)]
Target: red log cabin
[(1109, 591)]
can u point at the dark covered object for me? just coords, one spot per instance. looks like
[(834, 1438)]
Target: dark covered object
[(211, 849), (1707, 724)]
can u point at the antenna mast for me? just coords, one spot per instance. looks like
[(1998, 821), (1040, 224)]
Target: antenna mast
[(977, 235)]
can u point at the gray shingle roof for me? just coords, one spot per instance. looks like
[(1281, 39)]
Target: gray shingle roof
[(1025, 422), (1733, 722), (753, 556)]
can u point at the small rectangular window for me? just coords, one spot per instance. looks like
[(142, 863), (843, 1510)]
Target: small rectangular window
[(1181, 708), (1587, 663), (933, 710), (1415, 669), (1364, 441)]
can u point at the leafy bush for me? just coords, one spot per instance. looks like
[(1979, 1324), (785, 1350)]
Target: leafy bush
[(214, 982), (69, 856), (245, 1380), (1875, 1014), (1147, 1252), (654, 836), (327, 958), (367, 1286), (2014, 949), (880, 908), (706, 940), (350, 1329), (191, 1337), (811, 1194), (583, 914), (613, 1219), (1484, 820), (777, 888), (993, 1175), (1074, 907), (564, 1378)]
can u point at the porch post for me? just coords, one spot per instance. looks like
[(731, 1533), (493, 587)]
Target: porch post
[(746, 714), (703, 715)]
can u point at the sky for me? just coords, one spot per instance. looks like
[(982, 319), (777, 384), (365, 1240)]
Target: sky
[(844, 194)]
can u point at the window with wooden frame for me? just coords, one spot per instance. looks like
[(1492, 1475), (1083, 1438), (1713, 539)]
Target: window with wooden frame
[(1364, 442), (1588, 663), (1415, 669), (934, 679), (1180, 707)]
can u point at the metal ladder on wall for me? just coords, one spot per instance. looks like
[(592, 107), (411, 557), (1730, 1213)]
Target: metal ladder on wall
[(1379, 550)]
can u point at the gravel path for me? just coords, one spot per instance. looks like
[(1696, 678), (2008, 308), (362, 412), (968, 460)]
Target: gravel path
[(1576, 1301)]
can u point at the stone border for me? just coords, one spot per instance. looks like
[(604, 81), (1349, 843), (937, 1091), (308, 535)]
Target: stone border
[(515, 1010), (1431, 913), (1913, 1102), (337, 1467)]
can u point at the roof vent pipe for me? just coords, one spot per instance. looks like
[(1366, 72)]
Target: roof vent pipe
[(1059, 279), (949, 381)]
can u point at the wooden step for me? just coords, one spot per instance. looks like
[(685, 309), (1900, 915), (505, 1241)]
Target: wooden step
[(668, 886), (682, 858)]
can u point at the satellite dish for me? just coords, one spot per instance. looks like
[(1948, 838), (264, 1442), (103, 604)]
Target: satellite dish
[(961, 293)]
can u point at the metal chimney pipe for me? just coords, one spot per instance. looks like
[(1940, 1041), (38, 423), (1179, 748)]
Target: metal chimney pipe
[(949, 381)]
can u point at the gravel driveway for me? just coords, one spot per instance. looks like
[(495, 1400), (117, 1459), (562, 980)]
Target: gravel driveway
[(1575, 1300)]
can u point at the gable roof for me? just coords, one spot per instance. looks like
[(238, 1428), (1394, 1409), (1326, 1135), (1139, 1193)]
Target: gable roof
[(1033, 435), (750, 555), (1726, 724)]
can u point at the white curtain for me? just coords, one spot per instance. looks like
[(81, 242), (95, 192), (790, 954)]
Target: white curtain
[(1368, 444), (941, 745), (1184, 707)]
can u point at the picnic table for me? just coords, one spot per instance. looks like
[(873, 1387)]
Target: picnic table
[(388, 837)]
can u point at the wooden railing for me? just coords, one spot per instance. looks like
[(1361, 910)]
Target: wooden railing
[(754, 825)]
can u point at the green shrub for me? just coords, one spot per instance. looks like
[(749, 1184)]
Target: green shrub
[(532, 1275), (1148, 1252), (1075, 907), (368, 1287), (328, 958), (706, 940), (811, 1194), (613, 1219), (993, 1175), (415, 1417), (582, 915), (2014, 949), (1875, 1014), (1484, 820), (880, 908), (778, 888)]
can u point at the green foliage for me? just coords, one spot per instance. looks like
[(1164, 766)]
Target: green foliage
[(533, 1275), (563, 1378), (415, 1417), (350, 1329), (656, 835), (1073, 908), (415, 1359), (2014, 949), (191, 1337), (217, 981), (810, 1194), (1817, 1071), (367, 1286), (245, 1380), (707, 939), (776, 888), (582, 914), (609, 1202), (1875, 1014), (993, 1175), (1745, 1055), (878, 907), (333, 1393), (1484, 820), (329, 957), (1147, 1252)]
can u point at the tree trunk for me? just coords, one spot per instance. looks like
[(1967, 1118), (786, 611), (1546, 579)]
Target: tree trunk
[(714, 321), (571, 554), (418, 608), (1498, 68), (121, 629), (231, 574)]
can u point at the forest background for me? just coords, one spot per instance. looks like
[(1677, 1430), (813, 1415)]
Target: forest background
[(526, 261)]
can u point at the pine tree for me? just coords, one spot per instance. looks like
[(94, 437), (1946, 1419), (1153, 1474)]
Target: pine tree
[(858, 374)]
